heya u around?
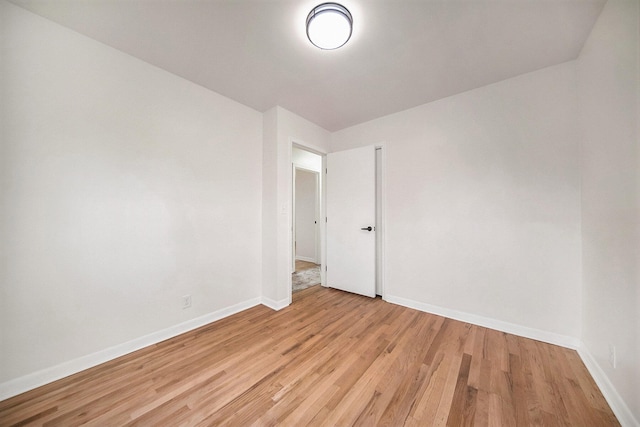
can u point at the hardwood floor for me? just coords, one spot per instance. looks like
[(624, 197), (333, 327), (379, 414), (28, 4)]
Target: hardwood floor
[(304, 265), (331, 358)]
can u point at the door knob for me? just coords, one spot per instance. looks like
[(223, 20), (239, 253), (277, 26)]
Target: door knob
[(367, 228)]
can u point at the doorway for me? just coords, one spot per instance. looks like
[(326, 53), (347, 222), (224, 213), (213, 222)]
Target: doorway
[(300, 156), (306, 203)]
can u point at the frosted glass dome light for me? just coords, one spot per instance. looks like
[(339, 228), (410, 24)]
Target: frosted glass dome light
[(329, 26)]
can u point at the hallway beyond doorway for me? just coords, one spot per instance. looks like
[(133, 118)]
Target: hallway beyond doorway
[(307, 274)]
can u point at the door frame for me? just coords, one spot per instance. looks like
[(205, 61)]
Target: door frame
[(381, 220), (323, 214)]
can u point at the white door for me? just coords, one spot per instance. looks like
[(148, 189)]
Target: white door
[(351, 218)]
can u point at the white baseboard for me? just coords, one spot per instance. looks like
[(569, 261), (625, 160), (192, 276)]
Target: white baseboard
[(275, 305), (28, 382), (511, 328), (617, 404), (304, 258)]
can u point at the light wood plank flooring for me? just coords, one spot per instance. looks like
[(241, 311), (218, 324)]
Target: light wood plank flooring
[(331, 358), (304, 265)]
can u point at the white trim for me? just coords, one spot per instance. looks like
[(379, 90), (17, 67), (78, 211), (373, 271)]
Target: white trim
[(304, 168), (294, 172), (36, 379), (273, 304), (381, 263), (617, 404), (511, 328), (307, 259)]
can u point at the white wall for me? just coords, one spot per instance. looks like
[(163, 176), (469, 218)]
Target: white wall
[(270, 209), (306, 159), (608, 74), (282, 129), (122, 188), (483, 203)]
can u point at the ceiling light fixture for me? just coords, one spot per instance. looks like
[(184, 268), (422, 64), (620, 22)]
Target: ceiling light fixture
[(329, 26)]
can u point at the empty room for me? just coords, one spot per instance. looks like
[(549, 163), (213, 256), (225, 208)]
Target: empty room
[(471, 214)]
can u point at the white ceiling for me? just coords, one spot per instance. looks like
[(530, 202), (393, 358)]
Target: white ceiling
[(402, 53)]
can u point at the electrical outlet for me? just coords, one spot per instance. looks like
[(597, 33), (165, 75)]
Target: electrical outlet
[(612, 355), (186, 301)]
